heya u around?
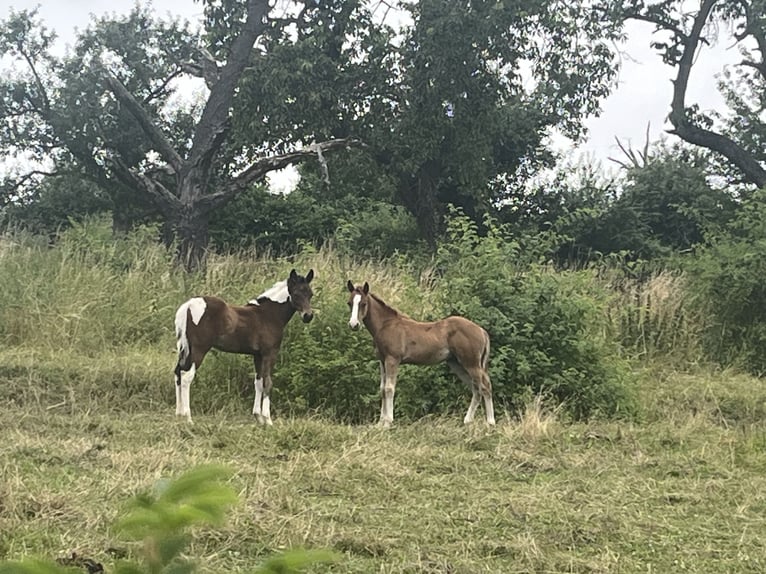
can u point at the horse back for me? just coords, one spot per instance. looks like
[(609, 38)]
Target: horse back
[(432, 342), (229, 328)]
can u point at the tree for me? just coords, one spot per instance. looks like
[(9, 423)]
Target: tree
[(103, 111), (742, 143), (455, 101)]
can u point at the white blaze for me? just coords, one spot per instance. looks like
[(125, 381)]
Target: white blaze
[(354, 321)]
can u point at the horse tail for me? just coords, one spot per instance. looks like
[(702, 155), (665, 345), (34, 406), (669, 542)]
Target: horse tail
[(182, 340), (485, 351)]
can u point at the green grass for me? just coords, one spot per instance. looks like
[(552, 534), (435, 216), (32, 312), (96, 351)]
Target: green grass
[(684, 490), (86, 422)]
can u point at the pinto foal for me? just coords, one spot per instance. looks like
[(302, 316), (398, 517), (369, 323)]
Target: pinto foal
[(204, 323), (399, 339)]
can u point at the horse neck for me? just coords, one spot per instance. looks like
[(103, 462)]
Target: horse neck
[(377, 313), (282, 312)]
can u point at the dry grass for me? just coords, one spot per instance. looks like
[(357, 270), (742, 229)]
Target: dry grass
[(654, 318), (676, 493)]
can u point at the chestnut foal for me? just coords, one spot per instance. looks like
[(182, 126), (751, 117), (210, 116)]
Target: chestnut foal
[(399, 339), (204, 323)]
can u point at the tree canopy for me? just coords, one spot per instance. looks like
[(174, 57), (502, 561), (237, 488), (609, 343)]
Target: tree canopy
[(454, 101)]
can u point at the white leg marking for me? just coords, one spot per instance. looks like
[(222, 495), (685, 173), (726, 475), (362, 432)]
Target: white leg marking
[(387, 417), (258, 398), (389, 407), (354, 321), (472, 407), (382, 393), (490, 409), (179, 404), (186, 380), (266, 411)]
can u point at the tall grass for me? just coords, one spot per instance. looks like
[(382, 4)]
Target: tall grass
[(654, 317), (88, 323)]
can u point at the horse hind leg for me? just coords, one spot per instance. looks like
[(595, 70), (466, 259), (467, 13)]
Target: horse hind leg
[(185, 370), (184, 380), (463, 375), (481, 388), (486, 393)]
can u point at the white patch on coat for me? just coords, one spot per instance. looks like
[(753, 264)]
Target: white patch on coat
[(354, 321), (277, 293), (197, 307)]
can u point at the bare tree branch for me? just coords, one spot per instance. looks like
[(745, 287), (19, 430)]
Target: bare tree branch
[(660, 23), (754, 29), (157, 138), (154, 93), (258, 170), (38, 81), (211, 128), (17, 183), (693, 133), (205, 68), (136, 180)]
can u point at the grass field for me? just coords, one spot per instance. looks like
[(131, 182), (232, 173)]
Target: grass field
[(681, 490)]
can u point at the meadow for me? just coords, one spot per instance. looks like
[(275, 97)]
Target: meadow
[(87, 422)]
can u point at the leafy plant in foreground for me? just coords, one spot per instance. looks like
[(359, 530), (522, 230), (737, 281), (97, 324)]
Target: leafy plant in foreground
[(160, 521)]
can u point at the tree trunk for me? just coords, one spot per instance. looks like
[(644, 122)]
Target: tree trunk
[(192, 232), (422, 202)]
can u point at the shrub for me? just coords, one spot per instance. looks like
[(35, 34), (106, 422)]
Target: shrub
[(545, 327), (727, 287)]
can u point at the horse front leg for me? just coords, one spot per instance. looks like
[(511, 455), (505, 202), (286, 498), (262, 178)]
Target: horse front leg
[(268, 365), (382, 392), (258, 384), (389, 387)]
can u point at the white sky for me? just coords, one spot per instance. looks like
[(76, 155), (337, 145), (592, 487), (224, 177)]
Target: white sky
[(642, 97)]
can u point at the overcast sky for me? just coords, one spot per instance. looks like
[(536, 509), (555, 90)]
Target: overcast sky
[(642, 97)]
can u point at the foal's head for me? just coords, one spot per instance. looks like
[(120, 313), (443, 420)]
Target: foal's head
[(358, 303), (300, 294)]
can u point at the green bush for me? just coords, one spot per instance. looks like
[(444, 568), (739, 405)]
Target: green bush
[(545, 327), (726, 284), (93, 319)]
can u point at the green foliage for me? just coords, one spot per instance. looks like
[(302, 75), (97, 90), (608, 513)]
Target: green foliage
[(160, 521), (283, 224), (544, 326), (54, 205), (97, 316), (728, 288), (661, 205)]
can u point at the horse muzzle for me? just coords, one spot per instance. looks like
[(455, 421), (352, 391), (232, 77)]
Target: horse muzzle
[(354, 326), (307, 317)]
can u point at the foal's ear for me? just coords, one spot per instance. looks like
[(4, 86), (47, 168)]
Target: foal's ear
[(309, 276), (366, 288), (293, 275), (350, 286)]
